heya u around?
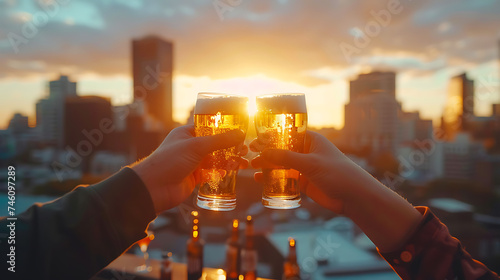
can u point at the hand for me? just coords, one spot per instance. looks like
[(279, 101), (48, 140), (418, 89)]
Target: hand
[(337, 183), (169, 172), (323, 177)]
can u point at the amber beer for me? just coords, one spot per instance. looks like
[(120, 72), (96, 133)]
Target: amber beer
[(214, 114), (195, 251), (281, 123), (291, 269)]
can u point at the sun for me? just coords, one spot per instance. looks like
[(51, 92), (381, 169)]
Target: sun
[(252, 107)]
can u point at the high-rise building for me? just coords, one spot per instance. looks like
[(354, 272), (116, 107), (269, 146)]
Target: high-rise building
[(50, 111), (88, 126), (18, 123), (62, 88), (152, 66), (373, 82), (84, 116), (411, 127), (460, 156), (46, 121), (459, 109), (371, 116), (24, 136)]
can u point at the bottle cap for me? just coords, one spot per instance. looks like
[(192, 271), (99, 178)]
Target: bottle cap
[(166, 254)]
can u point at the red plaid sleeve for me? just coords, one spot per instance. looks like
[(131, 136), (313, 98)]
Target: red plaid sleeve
[(432, 253)]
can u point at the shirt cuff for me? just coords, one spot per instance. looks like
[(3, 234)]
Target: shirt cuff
[(127, 204), (430, 237)]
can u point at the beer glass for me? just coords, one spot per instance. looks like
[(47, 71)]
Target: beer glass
[(217, 113), (281, 123)]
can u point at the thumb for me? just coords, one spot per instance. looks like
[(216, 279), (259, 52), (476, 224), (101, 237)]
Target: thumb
[(289, 159), (207, 144)]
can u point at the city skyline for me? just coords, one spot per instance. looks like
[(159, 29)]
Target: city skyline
[(403, 109), (250, 61)]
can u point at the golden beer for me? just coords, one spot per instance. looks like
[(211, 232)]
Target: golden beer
[(215, 114), (281, 122)]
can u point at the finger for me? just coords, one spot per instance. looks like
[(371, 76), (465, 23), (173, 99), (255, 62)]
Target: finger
[(261, 142), (303, 183), (259, 162), (289, 159), (257, 146), (256, 162), (207, 144), (307, 141), (243, 150), (185, 131), (258, 177), (243, 163)]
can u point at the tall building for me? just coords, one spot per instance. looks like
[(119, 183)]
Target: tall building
[(24, 136), (459, 109), (371, 116), (411, 127), (460, 156), (152, 66), (62, 88), (377, 81), (88, 125), (18, 123), (46, 121), (50, 111)]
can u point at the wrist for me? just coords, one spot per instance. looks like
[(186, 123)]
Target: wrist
[(384, 216), (356, 184), (145, 170)]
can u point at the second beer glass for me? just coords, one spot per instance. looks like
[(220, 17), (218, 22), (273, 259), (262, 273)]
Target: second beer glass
[(217, 113), (281, 123)]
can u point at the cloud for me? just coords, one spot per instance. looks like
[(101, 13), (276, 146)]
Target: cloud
[(281, 39)]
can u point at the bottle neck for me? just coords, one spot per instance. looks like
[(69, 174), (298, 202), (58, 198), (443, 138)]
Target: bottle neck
[(249, 242), (292, 255), (234, 235), (249, 237)]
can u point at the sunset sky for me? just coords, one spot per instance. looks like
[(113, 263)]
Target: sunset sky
[(252, 47)]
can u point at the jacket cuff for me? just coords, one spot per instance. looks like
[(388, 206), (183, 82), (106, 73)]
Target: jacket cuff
[(128, 205)]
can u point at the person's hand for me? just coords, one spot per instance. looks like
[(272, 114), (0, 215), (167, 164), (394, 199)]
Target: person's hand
[(169, 172), (337, 183), (322, 166)]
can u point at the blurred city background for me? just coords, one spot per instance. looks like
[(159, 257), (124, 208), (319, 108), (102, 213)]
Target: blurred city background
[(409, 90)]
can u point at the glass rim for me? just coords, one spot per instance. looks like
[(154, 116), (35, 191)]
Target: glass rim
[(211, 95), (281, 94)]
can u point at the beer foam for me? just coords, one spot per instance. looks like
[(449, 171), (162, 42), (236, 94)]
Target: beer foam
[(213, 103), (283, 103)]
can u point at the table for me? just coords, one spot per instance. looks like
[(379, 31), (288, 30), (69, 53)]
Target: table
[(123, 268)]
